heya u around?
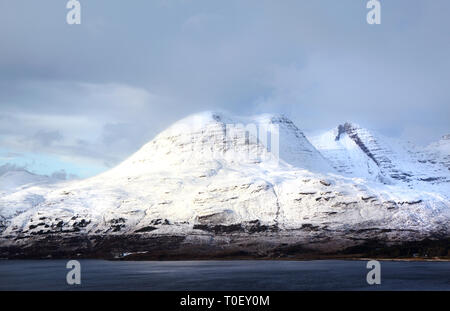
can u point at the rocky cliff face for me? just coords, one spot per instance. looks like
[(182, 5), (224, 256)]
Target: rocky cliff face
[(357, 152), (199, 189)]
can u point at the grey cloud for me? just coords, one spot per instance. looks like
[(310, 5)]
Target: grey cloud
[(47, 138), (8, 167), (57, 175), (62, 175), (130, 69)]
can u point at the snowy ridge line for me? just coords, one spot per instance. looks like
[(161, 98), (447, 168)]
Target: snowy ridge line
[(357, 152)]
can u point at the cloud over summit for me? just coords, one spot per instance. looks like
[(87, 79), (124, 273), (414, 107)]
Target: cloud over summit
[(91, 94)]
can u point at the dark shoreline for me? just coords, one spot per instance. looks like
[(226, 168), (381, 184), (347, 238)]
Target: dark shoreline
[(173, 248)]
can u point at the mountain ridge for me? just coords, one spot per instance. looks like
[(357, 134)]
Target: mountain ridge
[(195, 187), (386, 159)]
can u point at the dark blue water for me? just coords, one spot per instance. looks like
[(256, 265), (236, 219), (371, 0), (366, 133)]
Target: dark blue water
[(223, 275)]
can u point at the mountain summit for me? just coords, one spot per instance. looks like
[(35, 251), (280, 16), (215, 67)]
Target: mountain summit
[(357, 152), (229, 140)]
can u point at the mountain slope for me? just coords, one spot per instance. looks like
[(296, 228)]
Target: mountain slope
[(11, 178), (439, 152), (203, 186), (21, 190), (357, 152)]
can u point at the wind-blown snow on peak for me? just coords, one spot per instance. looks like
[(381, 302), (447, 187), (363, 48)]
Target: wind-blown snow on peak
[(346, 128), (218, 139)]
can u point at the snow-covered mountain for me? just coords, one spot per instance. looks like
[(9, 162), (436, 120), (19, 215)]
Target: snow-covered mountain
[(440, 151), (14, 179), (358, 152), (21, 190), (205, 187)]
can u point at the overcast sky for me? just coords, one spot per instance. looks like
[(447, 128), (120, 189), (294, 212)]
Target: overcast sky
[(84, 97)]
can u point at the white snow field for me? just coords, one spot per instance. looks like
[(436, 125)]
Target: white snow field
[(197, 181)]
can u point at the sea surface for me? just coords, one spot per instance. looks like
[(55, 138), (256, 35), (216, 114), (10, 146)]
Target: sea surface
[(223, 275)]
